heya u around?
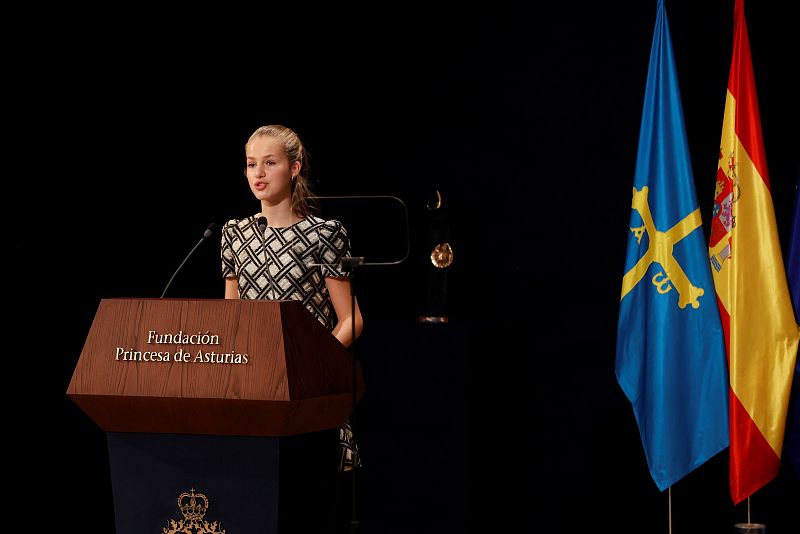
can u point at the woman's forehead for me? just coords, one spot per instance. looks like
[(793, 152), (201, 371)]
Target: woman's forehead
[(265, 146)]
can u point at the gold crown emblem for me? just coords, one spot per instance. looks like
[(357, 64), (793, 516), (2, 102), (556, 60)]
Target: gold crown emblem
[(193, 505), (190, 507)]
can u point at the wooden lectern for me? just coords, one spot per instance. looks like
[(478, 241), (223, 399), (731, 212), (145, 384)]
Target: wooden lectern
[(196, 396)]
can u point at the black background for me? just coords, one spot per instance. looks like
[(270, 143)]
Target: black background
[(527, 121)]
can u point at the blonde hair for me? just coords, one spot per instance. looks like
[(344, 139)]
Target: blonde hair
[(303, 203)]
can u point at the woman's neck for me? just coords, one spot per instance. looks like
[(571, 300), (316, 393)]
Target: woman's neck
[(279, 215)]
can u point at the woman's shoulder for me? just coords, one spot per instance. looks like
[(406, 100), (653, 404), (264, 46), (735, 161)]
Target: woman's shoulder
[(240, 224), (329, 235), (325, 226)]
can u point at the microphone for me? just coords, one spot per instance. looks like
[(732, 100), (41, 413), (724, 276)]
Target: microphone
[(262, 224), (208, 233)]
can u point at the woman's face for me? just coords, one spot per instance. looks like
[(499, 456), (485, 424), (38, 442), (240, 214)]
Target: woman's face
[(268, 171)]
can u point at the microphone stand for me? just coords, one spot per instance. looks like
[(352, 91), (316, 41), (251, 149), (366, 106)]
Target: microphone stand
[(349, 265)]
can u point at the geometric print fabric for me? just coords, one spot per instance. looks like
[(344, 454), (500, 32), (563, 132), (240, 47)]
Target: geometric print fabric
[(288, 263), (291, 263)]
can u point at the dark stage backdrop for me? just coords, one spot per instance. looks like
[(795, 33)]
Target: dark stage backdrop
[(510, 417)]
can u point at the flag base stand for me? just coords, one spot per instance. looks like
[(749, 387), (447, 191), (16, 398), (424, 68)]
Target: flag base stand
[(750, 528)]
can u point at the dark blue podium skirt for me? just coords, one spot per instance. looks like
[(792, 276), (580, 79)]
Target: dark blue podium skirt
[(249, 485)]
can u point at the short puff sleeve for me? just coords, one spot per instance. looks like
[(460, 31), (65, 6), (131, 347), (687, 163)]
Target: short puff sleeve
[(229, 231), (334, 244)]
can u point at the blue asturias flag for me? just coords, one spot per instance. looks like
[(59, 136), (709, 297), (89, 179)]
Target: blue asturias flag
[(792, 443), (671, 360)]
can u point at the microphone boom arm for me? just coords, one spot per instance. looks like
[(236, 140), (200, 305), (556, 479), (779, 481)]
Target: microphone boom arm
[(209, 231), (359, 261)]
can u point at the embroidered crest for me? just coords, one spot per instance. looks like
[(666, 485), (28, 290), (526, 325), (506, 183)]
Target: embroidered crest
[(726, 193), (193, 507)]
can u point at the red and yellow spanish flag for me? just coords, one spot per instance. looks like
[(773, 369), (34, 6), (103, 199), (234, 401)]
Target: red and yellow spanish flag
[(761, 334)]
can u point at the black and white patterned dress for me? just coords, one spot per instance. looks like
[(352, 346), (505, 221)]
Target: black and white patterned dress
[(279, 264)]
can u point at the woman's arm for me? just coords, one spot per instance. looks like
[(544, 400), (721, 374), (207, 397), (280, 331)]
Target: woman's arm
[(339, 291), (232, 288)]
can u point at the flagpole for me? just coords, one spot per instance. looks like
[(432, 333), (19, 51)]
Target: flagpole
[(669, 508), (748, 509), (750, 527)]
